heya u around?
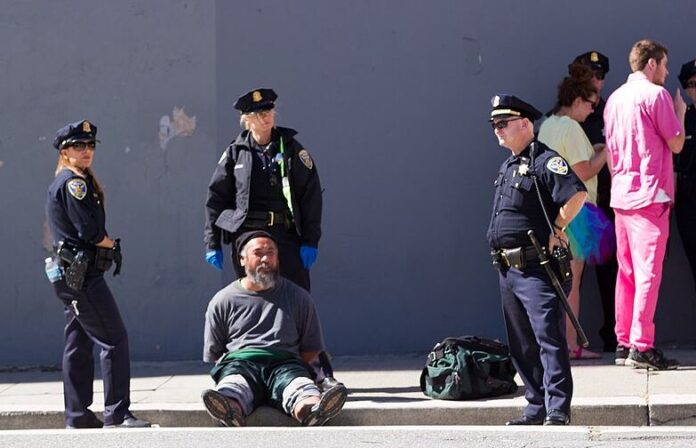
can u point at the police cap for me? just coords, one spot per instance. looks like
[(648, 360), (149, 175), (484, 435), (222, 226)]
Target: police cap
[(593, 59), (79, 131), (248, 236), (505, 106), (258, 99), (687, 71)]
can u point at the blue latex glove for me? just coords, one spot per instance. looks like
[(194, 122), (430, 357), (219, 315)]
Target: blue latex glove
[(214, 258), (308, 255)]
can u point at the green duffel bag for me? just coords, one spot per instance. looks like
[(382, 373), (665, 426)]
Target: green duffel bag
[(466, 368)]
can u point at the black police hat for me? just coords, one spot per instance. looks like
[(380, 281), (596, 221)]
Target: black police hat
[(248, 236), (593, 59), (505, 106), (687, 71), (259, 99), (79, 131)]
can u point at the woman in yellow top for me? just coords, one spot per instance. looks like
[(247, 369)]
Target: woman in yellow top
[(562, 132)]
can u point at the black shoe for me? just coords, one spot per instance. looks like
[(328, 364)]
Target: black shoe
[(650, 359), (131, 421), (554, 417), (524, 420), (329, 383), (89, 421), (329, 406), (621, 355), (223, 409)]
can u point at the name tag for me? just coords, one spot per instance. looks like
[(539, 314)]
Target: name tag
[(239, 166)]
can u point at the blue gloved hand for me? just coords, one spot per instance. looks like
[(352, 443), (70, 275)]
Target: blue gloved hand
[(308, 255), (214, 258)]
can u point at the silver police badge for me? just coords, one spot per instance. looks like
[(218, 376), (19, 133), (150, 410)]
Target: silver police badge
[(304, 157), (77, 188), (557, 165)]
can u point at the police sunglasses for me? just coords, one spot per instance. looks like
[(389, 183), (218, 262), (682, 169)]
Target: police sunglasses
[(690, 85), (81, 146), (599, 76), (503, 124)]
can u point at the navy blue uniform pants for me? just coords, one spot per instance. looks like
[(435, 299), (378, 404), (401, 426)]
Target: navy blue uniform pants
[(685, 213), (99, 322), (291, 266), (535, 324)]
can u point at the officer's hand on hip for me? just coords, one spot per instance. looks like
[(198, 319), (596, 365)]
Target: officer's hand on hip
[(214, 258), (308, 255), (558, 238)]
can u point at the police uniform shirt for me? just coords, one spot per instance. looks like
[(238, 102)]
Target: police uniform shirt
[(266, 188), (684, 162), (75, 211), (516, 207)]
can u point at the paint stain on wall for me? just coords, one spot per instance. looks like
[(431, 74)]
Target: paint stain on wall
[(178, 125)]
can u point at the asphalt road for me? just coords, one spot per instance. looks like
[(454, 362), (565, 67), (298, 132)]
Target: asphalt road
[(340, 437)]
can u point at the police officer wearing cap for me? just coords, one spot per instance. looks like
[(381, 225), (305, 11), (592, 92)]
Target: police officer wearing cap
[(266, 180), (594, 128), (534, 316), (685, 167), (84, 252)]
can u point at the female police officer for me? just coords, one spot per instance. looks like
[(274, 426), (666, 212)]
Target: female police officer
[(265, 180), (75, 209)]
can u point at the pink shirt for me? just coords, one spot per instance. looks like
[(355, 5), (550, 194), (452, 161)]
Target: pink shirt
[(639, 119)]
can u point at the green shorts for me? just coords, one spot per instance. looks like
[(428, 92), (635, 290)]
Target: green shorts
[(267, 378)]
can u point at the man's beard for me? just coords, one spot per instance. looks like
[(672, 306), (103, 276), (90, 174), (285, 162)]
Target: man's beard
[(266, 279)]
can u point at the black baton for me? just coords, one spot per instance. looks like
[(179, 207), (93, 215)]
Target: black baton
[(582, 338)]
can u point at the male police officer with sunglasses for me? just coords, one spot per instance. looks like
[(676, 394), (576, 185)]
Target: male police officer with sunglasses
[(534, 317)]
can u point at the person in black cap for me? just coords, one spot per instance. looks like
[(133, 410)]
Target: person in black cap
[(685, 167), (84, 252), (594, 128), (267, 180), (534, 317), (262, 331)]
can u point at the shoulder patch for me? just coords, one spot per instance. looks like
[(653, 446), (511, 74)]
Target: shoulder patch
[(77, 188), (557, 165), (306, 159)]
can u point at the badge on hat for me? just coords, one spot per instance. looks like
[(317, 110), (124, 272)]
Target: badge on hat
[(86, 127), (306, 159), (594, 57), (496, 101), (77, 188), (256, 96), (557, 165)]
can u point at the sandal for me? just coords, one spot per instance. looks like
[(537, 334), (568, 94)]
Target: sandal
[(581, 353)]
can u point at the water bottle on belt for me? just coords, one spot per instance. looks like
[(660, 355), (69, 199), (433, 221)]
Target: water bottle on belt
[(53, 270)]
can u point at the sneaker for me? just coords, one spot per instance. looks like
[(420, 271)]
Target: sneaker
[(328, 407), (621, 355), (223, 409), (650, 359)]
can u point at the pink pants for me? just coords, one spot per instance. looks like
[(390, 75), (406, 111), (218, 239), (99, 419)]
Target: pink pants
[(641, 241)]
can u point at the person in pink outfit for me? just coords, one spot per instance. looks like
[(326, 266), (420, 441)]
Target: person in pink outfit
[(644, 126)]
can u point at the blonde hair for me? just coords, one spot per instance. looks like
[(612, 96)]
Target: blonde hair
[(64, 163)]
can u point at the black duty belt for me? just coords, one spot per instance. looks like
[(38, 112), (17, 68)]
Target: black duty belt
[(259, 220), (516, 257)]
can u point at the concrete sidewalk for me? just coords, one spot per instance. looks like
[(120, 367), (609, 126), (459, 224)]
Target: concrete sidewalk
[(383, 391)]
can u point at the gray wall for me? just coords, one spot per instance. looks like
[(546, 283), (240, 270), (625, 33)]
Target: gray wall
[(390, 98)]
